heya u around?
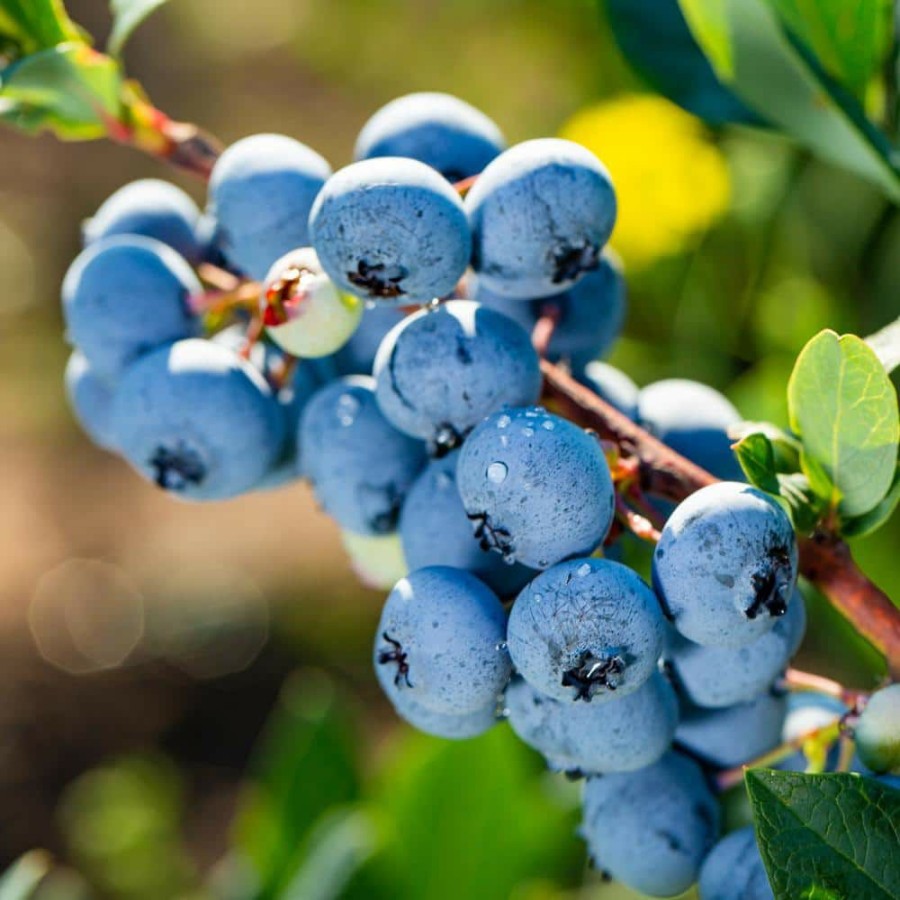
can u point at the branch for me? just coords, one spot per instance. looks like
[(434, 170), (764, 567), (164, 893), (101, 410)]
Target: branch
[(824, 559)]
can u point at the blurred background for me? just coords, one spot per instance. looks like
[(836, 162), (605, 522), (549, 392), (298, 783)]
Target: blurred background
[(184, 688)]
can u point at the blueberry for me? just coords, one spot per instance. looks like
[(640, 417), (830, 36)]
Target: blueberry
[(734, 870), (693, 419), (878, 731), (722, 676), (621, 736), (725, 566), (452, 726), (357, 356), (439, 130), (435, 531), (586, 629), (733, 735), (360, 466), (198, 420), (124, 296), (391, 229), (613, 386), (90, 398), (536, 487), (651, 829), (591, 313), (540, 215), (440, 372), (440, 642), (150, 208), (260, 193)]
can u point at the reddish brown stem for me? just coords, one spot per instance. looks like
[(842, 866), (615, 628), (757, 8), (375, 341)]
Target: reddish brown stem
[(463, 187), (796, 680), (824, 558), (544, 328), (634, 522)]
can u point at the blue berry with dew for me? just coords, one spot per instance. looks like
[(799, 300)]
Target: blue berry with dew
[(586, 629), (435, 531), (437, 129), (536, 488), (540, 215), (91, 399), (734, 870), (261, 192), (124, 296), (588, 739), (613, 386), (693, 419), (303, 310), (722, 676), (440, 642), (360, 466), (877, 732), (725, 566), (357, 356), (150, 208), (450, 726), (651, 829), (391, 230), (733, 735), (198, 420), (442, 371), (590, 315)]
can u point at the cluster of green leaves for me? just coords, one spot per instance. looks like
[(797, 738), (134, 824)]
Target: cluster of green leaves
[(805, 68), (839, 465), (52, 78)]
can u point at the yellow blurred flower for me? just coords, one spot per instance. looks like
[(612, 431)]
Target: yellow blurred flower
[(671, 180)]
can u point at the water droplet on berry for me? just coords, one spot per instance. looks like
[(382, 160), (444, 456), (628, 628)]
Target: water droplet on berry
[(497, 472), (501, 646), (582, 570), (528, 432), (504, 440), (347, 408), (503, 421), (548, 425), (537, 598)]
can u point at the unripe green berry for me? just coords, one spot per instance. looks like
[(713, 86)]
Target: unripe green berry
[(878, 731)]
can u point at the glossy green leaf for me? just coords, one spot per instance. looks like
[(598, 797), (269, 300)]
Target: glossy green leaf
[(22, 879), (306, 763), (849, 37), (70, 89), (875, 518), (755, 55), (757, 459), (28, 26), (827, 835), (844, 408), (127, 15)]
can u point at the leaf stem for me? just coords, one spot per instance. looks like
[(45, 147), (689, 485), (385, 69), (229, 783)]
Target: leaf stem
[(796, 680)]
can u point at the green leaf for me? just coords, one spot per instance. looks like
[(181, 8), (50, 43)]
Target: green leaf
[(70, 89), (23, 877), (849, 37), (127, 15), (871, 521), (305, 764), (757, 459), (827, 835), (844, 408), (775, 75), (32, 25)]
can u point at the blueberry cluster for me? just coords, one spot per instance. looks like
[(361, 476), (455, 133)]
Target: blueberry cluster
[(419, 426)]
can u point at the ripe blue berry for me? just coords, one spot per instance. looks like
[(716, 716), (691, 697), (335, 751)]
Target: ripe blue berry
[(651, 829), (693, 419), (150, 208), (260, 193), (360, 466), (613, 386), (198, 420), (540, 214), (440, 372), (878, 731), (452, 726), (726, 565), (586, 629), (722, 676), (591, 313), (435, 531), (439, 130), (734, 734), (90, 398), (440, 642), (536, 487), (734, 869), (625, 734), (123, 296), (391, 229)]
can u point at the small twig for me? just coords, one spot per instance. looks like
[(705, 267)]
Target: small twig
[(635, 523), (220, 279), (463, 187), (245, 296), (796, 680), (545, 327), (282, 377), (254, 332)]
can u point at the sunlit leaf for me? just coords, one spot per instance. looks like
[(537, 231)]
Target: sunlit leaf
[(127, 16)]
